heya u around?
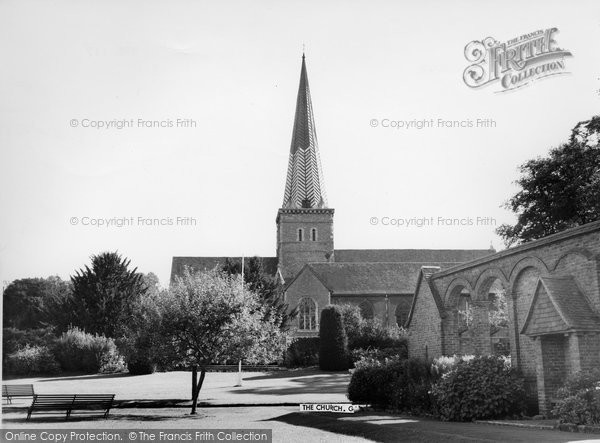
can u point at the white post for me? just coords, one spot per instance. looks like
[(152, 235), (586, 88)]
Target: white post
[(239, 381)]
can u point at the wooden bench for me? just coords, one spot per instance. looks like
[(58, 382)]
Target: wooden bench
[(71, 402), (10, 391)]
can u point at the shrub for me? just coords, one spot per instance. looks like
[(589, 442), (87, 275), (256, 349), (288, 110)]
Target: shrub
[(353, 321), (141, 340), (333, 343), (579, 399), (373, 334), (411, 390), (138, 349), (32, 360), (79, 351), (357, 355), (393, 383), (445, 364), (303, 352), (581, 409), (15, 339), (479, 388), (371, 382), (580, 381)]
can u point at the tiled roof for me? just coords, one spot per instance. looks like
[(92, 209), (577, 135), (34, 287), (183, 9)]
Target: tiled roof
[(455, 256), (370, 278), (566, 308), (208, 263)]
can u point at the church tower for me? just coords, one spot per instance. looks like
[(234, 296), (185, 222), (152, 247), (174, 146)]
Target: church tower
[(304, 222)]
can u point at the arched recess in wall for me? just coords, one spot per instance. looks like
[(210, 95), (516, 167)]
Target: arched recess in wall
[(491, 290), (524, 277), (459, 302)]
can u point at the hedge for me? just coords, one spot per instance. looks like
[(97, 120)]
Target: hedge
[(333, 342)]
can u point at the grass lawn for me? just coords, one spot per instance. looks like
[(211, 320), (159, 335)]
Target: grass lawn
[(290, 386)]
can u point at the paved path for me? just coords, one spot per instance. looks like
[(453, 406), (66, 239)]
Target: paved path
[(381, 427), (289, 425), (170, 393)]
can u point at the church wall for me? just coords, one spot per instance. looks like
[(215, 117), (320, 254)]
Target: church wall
[(307, 285)]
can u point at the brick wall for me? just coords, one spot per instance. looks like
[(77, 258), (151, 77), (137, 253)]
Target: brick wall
[(573, 253), (554, 368), (425, 329)]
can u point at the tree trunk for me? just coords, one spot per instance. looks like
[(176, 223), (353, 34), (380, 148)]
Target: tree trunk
[(197, 385), (194, 380)]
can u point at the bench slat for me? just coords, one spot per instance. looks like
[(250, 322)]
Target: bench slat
[(71, 402), (17, 391)]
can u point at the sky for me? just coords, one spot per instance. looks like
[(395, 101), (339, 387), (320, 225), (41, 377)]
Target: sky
[(211, 185)]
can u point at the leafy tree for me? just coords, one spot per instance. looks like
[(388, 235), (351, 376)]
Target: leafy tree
[(140, 339), (353, 323), (560, 191), (211, 317), (152, 283), (28, 302), (266, 286), (333, 352), (104, 295)]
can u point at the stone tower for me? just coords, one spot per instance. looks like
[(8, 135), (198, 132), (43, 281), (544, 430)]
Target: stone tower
[(304, 222)]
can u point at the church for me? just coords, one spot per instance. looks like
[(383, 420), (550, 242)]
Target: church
[(381, 282)]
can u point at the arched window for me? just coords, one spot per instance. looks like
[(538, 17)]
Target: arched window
[(401, 316), (366, 310), (313, 234), (300, 234), (307, 314)]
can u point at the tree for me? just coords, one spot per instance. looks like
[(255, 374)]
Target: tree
[(333, 351), (140, 340), (28, 302), (211, 317), (266, 286), (353, 323), (560, 191), (103, 295)]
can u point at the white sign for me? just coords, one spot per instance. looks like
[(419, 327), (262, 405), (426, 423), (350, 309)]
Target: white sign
[(344, 408)]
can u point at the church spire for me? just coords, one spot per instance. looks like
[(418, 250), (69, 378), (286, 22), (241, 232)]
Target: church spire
[(304, 182)]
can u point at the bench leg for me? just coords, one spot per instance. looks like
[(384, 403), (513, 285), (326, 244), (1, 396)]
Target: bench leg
[(68, 414), (29, 414)]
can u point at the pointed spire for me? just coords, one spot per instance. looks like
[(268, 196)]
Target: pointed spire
[(304, 183)]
